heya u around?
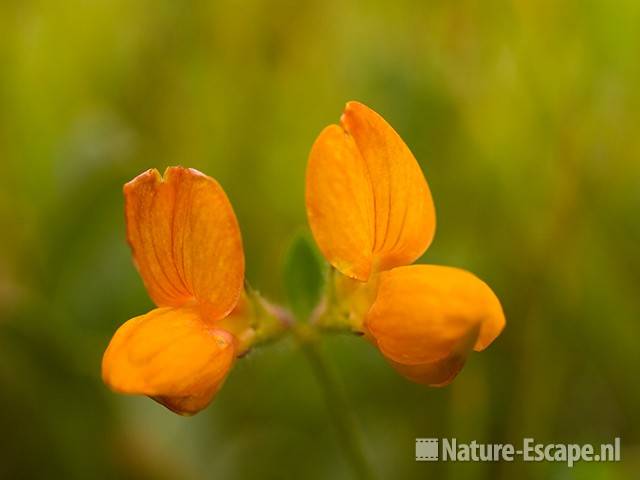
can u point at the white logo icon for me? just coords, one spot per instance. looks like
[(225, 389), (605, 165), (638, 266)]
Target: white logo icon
[(426, 449)]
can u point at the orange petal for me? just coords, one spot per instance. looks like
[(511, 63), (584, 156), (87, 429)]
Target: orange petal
[(368, 203), (422, 313), (435, 374), (340, 203), (185, 239), (169, 354), (440, 372)]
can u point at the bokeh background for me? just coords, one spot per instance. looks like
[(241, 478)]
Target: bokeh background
[(525, 118)]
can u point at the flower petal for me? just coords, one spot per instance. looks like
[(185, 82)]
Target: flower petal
[(169, 354), (440, 372), (422, 312), (404, 211), (185, 239), (368, 202), (435, 374), (340, 203)]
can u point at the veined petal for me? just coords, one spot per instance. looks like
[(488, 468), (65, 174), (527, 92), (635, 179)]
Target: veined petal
[(340, 203), (368, 202), (422, 312), (185, 239), (169, 354), (404, 211)]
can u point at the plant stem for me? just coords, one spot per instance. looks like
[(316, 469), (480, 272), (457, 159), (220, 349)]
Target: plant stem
[(336, 400)]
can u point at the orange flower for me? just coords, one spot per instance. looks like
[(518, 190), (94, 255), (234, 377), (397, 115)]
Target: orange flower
[(187, 247), (372, 215)]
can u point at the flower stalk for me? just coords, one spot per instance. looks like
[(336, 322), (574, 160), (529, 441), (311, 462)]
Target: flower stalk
[(308, 339), (273, 322)]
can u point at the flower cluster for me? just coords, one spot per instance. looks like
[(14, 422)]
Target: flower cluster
[(372, 215)]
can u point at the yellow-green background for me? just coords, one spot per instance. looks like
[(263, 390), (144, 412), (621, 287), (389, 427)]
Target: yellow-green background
[(525, 117)]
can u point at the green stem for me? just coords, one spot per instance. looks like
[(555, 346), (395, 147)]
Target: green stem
[(336, 400)]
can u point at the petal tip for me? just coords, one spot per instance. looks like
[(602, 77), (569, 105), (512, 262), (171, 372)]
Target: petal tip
[(491, 328), (353, 105), (150, 175), (351, 108)]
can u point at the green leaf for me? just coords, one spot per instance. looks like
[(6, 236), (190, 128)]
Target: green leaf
[(304, 276)]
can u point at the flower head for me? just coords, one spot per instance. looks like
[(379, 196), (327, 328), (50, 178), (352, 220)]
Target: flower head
[(187, 247), (372, 215)]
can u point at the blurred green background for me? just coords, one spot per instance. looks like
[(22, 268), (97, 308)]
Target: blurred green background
[(525, 118)]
